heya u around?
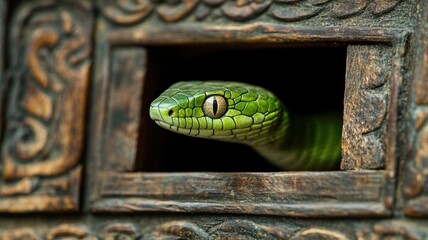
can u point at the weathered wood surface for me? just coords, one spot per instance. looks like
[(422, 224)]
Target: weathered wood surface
[(3, 79), (366, 106), (364, 12), (290, 194), (124, 198), (255, 33), (49, 74), (123, 108), (48, 64), (275, 187), (415, 182), (215, 227)]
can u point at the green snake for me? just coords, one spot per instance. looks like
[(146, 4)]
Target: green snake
[(243, 113)]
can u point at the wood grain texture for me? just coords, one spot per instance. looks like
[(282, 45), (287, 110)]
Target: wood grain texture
[(253, 33), (415, 181), (382, 94), (366, 107), (131, 12), (3, 78), (123, 108), (216, 227), (53, 37), (421, 73), (113, 190), (275, 187), (359, 193), (49, 67), (3, 14)]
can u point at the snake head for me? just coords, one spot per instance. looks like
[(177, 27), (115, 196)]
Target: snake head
[(223, 110)]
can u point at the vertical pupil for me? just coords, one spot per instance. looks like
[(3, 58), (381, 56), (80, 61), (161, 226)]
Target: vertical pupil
[(215, 106)]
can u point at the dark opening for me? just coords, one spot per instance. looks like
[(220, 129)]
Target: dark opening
[(307, 79)]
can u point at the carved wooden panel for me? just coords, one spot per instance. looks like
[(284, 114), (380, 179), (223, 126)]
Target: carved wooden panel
[(130, 12), (48, 142), (118, 186), (416, 167), (366, 107), (222, 228), (48, 70)]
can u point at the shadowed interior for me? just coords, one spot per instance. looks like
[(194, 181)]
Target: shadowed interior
[(307, 79)]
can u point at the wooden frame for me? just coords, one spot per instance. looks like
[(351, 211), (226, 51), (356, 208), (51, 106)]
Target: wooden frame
[(389, 189), (45, 106), (367, 192), (415, 187)]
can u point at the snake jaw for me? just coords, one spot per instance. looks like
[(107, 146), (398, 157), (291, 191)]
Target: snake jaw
[(166, 113), (163, 110)]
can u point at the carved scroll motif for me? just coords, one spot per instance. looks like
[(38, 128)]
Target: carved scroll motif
[(26, 233), (366, 104), (416, 177), (177, 229), (319, 233), (396, 229), (49, 68), (244, 229), (120, 231), (230, 229), (70, 231), (131, 12)]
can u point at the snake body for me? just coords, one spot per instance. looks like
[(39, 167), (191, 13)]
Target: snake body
[(244, 113)]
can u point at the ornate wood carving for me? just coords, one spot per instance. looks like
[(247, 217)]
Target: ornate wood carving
[(399, 230), (131, 12), (373, 92), (366, 107), (287, 194), (416, 175), (49, 67), (121, 231), (416, 168), (43, 98), (227, 229)]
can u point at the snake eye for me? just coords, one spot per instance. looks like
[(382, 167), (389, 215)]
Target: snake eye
[(214, 106)]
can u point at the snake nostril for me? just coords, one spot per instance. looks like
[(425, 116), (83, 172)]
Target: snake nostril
[(170, 112)]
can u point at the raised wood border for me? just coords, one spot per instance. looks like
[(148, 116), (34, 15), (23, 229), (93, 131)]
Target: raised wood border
[(415, 180), (3, 83), (282, 194), (136, 192), (218, 227), (127, 12), (49, 51)]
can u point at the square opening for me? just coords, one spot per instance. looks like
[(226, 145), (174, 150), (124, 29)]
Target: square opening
[(309, 80)]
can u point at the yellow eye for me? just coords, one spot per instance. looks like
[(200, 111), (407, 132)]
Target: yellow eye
[(214, 106)]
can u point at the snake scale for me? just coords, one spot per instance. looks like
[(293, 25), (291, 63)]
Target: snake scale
[(243, 113)]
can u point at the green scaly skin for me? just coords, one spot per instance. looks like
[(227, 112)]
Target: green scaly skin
[(254, 116)]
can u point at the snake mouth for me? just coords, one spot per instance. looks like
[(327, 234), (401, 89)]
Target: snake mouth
[(186, 131), (163, 118), (165, 125), (224, 135)]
